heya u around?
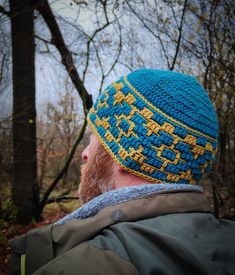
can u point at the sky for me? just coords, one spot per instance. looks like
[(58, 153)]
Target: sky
[(51, 77)]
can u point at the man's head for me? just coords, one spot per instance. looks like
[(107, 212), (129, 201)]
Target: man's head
[(157, 125)]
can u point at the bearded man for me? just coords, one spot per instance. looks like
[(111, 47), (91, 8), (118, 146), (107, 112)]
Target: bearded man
[(154, 135)]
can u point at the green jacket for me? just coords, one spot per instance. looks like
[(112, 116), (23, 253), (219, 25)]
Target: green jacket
[(173, 233)]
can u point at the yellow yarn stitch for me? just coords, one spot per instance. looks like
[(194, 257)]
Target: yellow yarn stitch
[(152, 179), (153, 128), (104, 103), (165, 115)]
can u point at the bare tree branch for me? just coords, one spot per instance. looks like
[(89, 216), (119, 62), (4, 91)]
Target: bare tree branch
[(43, 159), (2, 66), (210, 55), (105, 75), (61, 199), (65, 167), (151, 31), (180, 34), (42, 39), (46, 42), (90, 40), (4, 11), (57, 39)]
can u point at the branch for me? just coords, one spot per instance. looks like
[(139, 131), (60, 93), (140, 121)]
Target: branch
[(180, 34), (173, 12), (42, 39), (210, 56), (5, 12), (46, 42), (115, 61), (61, 199), (65, 167), (151, 31), (43, 160), (66, 56), (91, 38), (2, 67), (119, 49)]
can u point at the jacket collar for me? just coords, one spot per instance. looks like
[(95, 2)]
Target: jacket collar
[(125, 194)]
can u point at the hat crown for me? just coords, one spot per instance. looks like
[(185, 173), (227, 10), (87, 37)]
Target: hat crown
[(178, 95)]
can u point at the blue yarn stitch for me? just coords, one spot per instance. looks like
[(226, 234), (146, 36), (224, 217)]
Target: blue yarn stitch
[(178, 95)]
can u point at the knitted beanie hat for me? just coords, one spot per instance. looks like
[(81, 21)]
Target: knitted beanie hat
[(159, 125)]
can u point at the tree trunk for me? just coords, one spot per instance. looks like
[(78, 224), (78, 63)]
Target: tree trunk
[(24, 181)]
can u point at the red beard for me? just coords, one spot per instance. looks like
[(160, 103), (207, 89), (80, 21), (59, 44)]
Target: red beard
[(96, 176)]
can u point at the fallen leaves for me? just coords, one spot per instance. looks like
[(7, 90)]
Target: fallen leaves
[(10, 231)]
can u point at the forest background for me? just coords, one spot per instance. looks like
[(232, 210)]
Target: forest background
[(57, 56)]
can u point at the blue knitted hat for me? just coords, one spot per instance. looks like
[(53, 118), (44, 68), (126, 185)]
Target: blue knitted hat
[(159, 125)]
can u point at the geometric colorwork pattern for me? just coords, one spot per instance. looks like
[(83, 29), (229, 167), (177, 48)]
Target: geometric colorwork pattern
[(146, 141)]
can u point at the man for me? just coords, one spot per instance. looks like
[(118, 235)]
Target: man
[(154, 135)]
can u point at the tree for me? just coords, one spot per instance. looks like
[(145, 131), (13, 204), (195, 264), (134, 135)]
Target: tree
[(25, 190), (24, 183)]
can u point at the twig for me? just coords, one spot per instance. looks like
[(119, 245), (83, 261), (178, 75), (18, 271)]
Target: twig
[(61, 199), (91, 39), (5, 12), (180, 34), (65, 167), (2, 66), (151, 31), (66, 56)]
